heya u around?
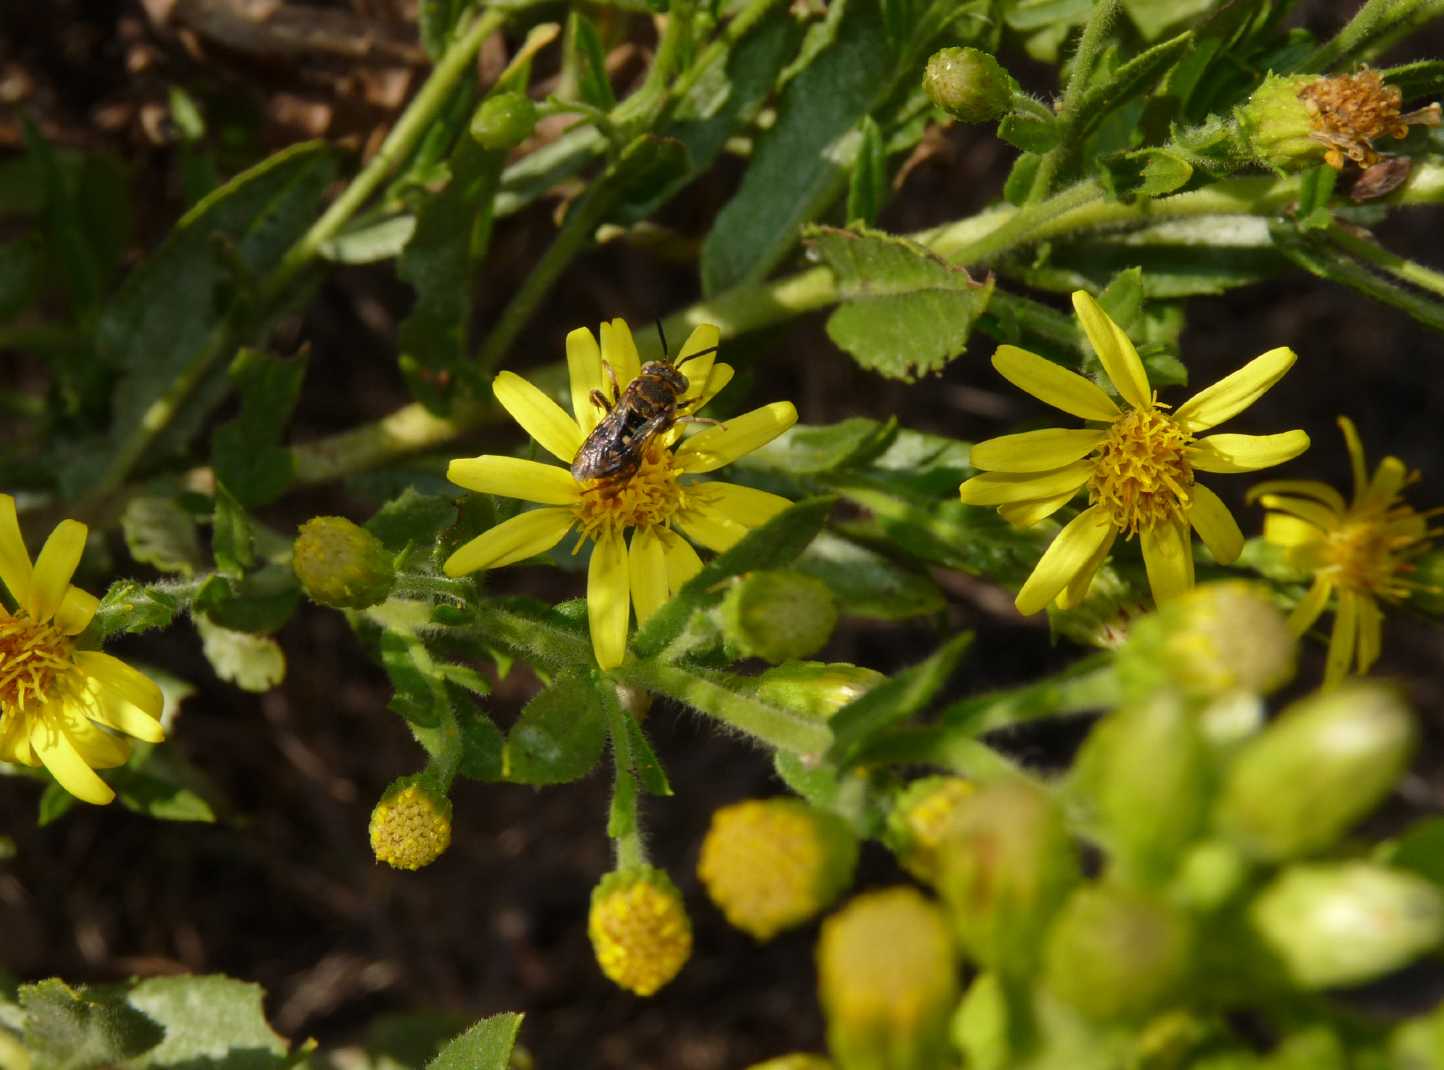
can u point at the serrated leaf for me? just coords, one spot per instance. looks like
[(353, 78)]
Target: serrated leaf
[(1145, 173), (903, 311), (418, 696), (232, 540), (130, 607), (1130, 80), (1031, 133), (260, 603), (158, 532), (75, 1029), (146, 791), (482, 743), (559, 735), (485, 1046), (251, 662), (246, 451), (634, 752), (867, 583), (209, 1021)]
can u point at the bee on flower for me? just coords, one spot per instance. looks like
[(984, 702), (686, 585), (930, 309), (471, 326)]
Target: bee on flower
[(657, 500), (1360, 552), (1139, 463), (62, 707)]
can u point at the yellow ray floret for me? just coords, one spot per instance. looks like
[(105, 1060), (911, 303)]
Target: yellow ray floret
[(1138, 462), (659, 503), (67, 709)]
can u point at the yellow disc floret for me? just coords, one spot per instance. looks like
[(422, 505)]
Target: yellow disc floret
[(411, 825), (639, 928), (652, 497), (1141, 475), (1351, 111), (33, 654)]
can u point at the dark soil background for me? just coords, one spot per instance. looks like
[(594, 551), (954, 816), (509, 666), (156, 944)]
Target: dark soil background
[(285, 892)]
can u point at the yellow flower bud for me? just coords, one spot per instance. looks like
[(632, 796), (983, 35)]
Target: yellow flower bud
[(770, 864), (411, 825), (340, 564), (887, 980), (778, 615), (920, 820), (639, 928)]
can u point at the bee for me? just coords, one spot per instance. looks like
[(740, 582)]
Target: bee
[(648, 406)]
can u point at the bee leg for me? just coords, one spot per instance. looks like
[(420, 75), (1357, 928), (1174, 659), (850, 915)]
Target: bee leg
[(600, 400), (611, 374), (701, 420)]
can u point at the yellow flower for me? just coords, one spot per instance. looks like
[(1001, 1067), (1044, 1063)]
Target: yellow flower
[(57, 703), (639, 928), (1138, 464), (656, 501), (1362, 550)]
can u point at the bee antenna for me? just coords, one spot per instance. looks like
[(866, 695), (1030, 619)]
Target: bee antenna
[(694, 356), (662, 337)]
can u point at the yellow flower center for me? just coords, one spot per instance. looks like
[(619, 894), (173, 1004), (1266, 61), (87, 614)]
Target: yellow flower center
[(32, 656), (653, 495), (1367, 552), (1141, 474)]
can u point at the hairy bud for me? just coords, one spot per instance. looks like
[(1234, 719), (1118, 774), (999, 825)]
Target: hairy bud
[(341, 564), (411, 825), (639, 928)]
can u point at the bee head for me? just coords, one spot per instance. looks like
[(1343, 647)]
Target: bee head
[(666, 373)]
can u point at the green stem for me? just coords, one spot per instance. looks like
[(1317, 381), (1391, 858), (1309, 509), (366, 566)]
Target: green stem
[(1374, 17), (1373, 253), (1095, 32)]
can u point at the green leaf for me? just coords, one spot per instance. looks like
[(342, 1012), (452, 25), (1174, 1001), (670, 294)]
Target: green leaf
[(251, 662), (210, 1021), (482, 744), (1152, 17), (559, 735), (1032, 133), (810, 450), (588, 62), (1420, 848), (232, 540), (1145, 173), (773, 545), (437, 19), (1038, 14), (419, 694), (900, 696), (1128, 81), (260, 603), (903, 311), (160, 533), (1421, 79), (77, 1029), (246, 451), (371, 243), (129, 607), (22, 262), (633, 751), (867, 583), (485, 1046), (867, 189), (152, 790)]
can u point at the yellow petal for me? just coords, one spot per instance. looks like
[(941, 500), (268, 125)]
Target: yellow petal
[(698, 369), (514, 477), (54, 567), (1026, 514), (1389, 479), (1005, 488), (1290, 532), (718, 378), (745, 505), (711, 528), (1315, 513), (1168, 557), (97, 748), (512, 540), (682, 561), (1215, 525), (584, 373), (1356, 455), (1307, 488), (59, 755), (1234, 393), (1310, 606), (76, 611), (15, 570), (1054, 384), (1066, 556), (115, 712), (1342, 639), (619, 350), (1077, 588), (1246, 453), (539, 416), (1115, 351), (647, 570), (1036, 451), (115, 677), (717, 446), (607, 599), (1371, 632)]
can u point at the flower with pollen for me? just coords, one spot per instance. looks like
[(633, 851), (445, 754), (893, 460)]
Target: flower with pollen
[(1138, 463), (655, 502), (1360, 552), (65, 708)]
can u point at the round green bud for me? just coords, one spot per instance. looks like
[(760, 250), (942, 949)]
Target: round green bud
[(341, 564), (1418, 1044), (1278, 125), (778, 615), (1147, 774), (968, 84), (504, 121), (920, 819), (639, 928), (1005, 866), (411, 825), (795, 1061), (1115, 953), (1320, 767), (771, 864), (887, 981), (815, 687), (1210, 874), (983, 1028), (1211, 641), (1332, 925)]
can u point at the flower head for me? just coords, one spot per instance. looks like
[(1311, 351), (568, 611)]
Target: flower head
[(1361, 551), (1138, 462), (654, 502), (411, 825), (60, 706), (639, 928)]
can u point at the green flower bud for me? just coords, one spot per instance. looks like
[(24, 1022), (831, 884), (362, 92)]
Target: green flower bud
[(340, 564), (1279, 126), (411, 825), (504, 121), (887, 981), (1325, 763), (968, 84), (1216, 639), (1210, 874), (1115, 953), (920, 819), (771, 864), (795, 1061), (815, 687), (1418, 1044), (1146, 771), (982, 1028), (1005, 867), (1334, 925), (639, 928), (778, 615)]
